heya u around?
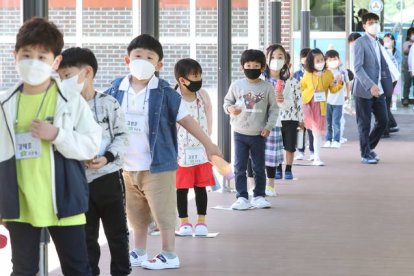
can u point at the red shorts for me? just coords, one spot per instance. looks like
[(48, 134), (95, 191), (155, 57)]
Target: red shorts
[(194, 176)]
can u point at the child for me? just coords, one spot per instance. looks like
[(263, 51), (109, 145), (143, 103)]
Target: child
[(252, 117), (335, 101), (152, 109), (290, 113), (298, 75), (315, 85), (44, 130), (194, 170), (106, 187)]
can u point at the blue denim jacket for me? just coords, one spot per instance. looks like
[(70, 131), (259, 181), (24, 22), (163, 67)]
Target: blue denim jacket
[(164, 103)]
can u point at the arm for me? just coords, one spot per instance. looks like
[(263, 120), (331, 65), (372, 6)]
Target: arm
[(81, 140), (208, 109), (194, 128), (229, 99), (273, 110), (360, 73), (298, 102)]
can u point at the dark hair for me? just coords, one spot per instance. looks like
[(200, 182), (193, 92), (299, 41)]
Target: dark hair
[(78, 57), (288, 58), (331, 54), (146, 41), (391, 36), (410, 31), (361, 12), (304, 52), (353, 36), (185, 67), (284, 73), (39, 32), (310, 64), (253, 55), (368, 16)]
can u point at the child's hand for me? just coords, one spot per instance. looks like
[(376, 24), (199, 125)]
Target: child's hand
[(338, 79), (302, 125), (97, 163), (279, 98), (265, 132), (234, 110), (44, 130)]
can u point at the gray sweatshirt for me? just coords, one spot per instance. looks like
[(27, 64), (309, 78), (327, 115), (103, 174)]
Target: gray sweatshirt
[(258, 104), (108, 114)]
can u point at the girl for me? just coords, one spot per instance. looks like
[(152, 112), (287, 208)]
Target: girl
[(315, 85), (408, 77), (290, 112), (194, 170)]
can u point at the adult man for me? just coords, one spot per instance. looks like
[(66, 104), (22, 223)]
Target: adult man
[(372, 82)]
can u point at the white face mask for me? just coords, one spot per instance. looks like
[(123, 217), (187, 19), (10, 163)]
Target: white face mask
[(412, 37), (141, 69), (276, 64), (33, 71), (320, 66), (72, 84), (388, 44), (374, 29), (333, 64)]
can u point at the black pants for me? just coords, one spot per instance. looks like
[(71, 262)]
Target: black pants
[(391, 119), (310, 134), (69, 242), (368, 139), (270, 171), (200, 199), (107, 203)]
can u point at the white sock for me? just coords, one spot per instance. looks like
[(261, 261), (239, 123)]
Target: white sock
[(317, 142)]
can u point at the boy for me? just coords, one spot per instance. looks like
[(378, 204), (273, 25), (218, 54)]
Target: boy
[(335, 101), (251, 102), (44, 131), (106, 187), (152, 109), (298, 75)]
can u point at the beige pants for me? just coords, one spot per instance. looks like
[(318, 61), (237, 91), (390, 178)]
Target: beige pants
[(151, 195)]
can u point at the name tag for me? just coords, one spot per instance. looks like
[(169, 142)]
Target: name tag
[(194, 155), (27, 146), (319, 96), (135, 122)]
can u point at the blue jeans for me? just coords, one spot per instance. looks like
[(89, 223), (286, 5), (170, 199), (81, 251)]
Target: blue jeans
[(333, 118), (253, 146), (368, 139)]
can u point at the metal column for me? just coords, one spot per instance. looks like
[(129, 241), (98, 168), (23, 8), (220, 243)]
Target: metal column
[(35, 8), (305, 25), (224, 74), (276, 21), (150, 17)]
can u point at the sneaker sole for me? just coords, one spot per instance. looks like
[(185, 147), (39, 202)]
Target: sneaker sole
[(161, 268)]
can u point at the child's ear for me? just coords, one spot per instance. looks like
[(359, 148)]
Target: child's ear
[(127, 60), (159, 66), (242, 67), (56, 62)]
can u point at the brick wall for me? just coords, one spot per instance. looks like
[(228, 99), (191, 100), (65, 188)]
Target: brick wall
[(117, 22)]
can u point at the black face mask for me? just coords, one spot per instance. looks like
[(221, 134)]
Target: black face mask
[(194, 86), (252, 73)]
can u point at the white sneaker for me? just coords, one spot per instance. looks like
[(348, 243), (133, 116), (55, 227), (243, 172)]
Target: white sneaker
[(200, 229), (186, 229), (260, 202), (343, 140), (135, 259), (241, 204), (311, 157), (299, 156), (335, 145), (270, 191), (161, 262), (327, 144), (318, 162)]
